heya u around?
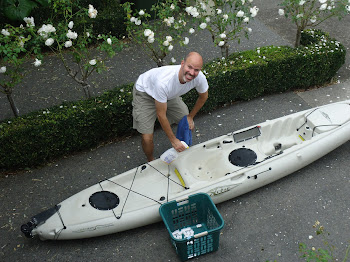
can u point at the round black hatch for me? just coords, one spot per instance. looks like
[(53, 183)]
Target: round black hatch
[(104, 200), (242, 157)]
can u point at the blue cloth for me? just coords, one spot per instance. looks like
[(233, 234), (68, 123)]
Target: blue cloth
[(183, 132)]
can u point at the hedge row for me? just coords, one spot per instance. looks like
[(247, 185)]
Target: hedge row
[(272, 69), (41, 136)]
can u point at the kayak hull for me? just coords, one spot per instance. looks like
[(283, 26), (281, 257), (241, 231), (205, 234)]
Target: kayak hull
[(224, 167)]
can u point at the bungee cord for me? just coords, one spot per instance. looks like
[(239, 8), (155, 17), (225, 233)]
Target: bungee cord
[(57, 235), (166, 176)]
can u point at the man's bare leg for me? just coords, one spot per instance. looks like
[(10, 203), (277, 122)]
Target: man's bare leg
[(148, 146)]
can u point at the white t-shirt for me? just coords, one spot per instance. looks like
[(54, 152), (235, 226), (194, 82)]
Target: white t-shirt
[(163, 83)]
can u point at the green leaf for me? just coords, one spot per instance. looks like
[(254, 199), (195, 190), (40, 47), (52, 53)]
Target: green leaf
[(18, 9)]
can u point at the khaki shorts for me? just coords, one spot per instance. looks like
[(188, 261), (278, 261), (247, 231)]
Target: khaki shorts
[(145, 115)]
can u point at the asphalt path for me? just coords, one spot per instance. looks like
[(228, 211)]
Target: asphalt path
[(266, 224)]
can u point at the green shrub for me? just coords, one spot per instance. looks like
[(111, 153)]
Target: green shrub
[(266, 70), (43, 135), (59, 130)]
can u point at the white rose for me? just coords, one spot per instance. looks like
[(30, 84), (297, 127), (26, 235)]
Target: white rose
[(313, 19), (93, 62), (187, 40), (68, 44), (150, 39), (323, 7), (223, 36), (141, 12), (254, 11), (92, 12), (171, 20), (172, 7), (218, 11), (170, 47), (203, 25), (246, 19), (71, 35), (71, 24), (50, 28), (147, 32), (221, 43), (207, 19), (49, 42), (165, 43), (109, 41), (2, 69), (302, 2), (173, 60), (240, 13), (37, 62), (280, 12), (5, 32), (225, 16), (132, 19), (191, 31), (29, 21), (322, 1), (169, 38), (137, 21)]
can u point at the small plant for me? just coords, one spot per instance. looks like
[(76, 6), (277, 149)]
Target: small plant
[(63, 37), (224, 19), (311, 13), (16, 46), (325, 254), (159, 34)]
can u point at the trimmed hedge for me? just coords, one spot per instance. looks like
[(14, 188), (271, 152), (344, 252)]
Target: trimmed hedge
[(266, 70), (73, 126), (43, 135)]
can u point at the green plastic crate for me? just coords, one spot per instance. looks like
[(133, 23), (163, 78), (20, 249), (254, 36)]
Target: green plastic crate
[(199, 219)]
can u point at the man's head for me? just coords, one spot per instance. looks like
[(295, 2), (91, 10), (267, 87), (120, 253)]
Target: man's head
[(190, 67)]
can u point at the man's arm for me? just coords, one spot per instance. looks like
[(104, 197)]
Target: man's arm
[(202, 98), (164, 122)]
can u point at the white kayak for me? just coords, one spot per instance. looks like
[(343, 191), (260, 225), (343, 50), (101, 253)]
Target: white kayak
[(224, 168)]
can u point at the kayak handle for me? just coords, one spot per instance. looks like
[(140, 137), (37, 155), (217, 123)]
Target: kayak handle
[(182, 199), (202, 234)]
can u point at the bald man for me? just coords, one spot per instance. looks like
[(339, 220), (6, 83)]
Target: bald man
[(157, 94)]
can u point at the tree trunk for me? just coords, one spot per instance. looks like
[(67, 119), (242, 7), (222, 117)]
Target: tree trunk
[(224, 50), (13, 105), (298, 37), (160, 62), (86, 88)]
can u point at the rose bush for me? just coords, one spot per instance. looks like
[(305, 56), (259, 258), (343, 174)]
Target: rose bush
[(16, 46), (62, 38), (225, 19), (311, 13), (159, 35)]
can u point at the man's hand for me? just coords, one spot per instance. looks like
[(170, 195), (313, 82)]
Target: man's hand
[(179, 147), (190, 122)]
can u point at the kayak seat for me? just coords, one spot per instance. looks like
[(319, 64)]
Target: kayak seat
[(279, 135), (328, 118), (202, 165), (279, 145)]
